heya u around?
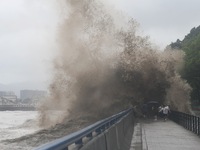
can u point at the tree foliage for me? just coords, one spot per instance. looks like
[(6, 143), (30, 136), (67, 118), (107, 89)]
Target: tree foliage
[(191, 72)]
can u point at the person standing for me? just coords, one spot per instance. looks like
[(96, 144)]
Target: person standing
[(165, 110)]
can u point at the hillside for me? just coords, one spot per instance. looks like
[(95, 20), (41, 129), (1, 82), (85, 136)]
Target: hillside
[(191, 72)]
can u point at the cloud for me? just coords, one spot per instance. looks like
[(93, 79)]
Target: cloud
[(27, 39), (163, 20)]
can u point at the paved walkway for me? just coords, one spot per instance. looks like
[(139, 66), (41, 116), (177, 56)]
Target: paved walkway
[(160, 135)]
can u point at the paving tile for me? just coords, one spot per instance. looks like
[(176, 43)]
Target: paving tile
[(159, 135)]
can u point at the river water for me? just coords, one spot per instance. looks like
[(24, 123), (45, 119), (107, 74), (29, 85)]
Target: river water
[(15, 124), (19, 130)]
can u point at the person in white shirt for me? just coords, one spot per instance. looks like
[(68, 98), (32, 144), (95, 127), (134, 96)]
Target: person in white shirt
[(165, 110)]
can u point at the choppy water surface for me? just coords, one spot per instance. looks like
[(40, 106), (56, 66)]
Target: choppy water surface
[(14, 124), (19, 130)]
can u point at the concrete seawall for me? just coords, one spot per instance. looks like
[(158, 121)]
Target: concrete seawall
[(118, 137)]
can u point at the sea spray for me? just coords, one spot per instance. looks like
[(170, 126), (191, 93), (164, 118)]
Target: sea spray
[(103, 68)]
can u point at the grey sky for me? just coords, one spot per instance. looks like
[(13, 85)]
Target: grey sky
[(27, 39), (163, 20), (28, 31)]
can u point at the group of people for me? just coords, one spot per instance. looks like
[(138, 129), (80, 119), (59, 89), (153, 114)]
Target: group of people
[(163, 112), (154, 111)]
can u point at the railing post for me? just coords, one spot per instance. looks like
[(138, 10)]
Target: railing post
[(89, 136), (178, 117), (184, 120), (195, 124), (188, 122), (192, 123), (79, 143), (108, 125), (98, 131), (198, 125), (175, 116)]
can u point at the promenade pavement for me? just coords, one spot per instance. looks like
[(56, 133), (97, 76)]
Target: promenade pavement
[(160, 135)]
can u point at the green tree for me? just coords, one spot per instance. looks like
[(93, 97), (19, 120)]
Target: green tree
[(191, 72)]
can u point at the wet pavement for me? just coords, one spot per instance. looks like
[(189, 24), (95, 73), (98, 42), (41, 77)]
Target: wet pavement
[(160, 135)]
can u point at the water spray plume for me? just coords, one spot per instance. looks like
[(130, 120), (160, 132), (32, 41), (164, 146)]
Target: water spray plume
[(103, 68)]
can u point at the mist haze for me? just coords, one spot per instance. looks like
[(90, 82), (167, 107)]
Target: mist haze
[(103, 68)]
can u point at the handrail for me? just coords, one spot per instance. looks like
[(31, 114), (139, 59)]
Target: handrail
[(77, 137), (188, 121)]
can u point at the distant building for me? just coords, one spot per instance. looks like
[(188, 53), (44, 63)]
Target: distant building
[(32, 96), (8, 97)]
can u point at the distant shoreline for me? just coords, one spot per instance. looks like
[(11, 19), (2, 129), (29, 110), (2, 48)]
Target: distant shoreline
[(17, 108)]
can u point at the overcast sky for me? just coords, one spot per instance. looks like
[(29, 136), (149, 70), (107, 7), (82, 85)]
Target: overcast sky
[(28, 31), (27, 40), (163, 20)]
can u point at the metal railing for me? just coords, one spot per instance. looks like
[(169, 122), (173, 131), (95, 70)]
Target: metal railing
[(76, 139), (188, 121)]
